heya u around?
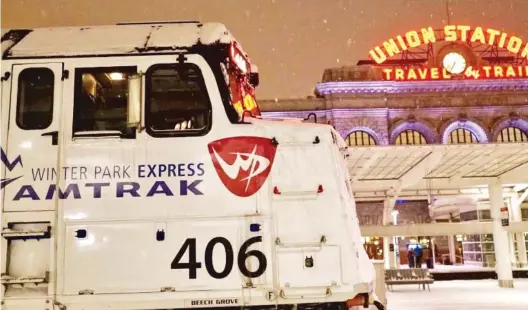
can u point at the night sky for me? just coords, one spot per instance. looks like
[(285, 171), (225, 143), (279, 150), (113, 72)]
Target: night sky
[(291, 41)]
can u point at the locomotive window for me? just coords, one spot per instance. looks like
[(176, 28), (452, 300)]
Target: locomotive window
[(100, 102), (35, 98), (177, 102)]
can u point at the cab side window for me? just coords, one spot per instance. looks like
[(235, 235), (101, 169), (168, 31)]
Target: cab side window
[(177, 102), (100, 100), (35, 98)]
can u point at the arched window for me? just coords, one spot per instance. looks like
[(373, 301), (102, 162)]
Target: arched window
[(462, 136), (512, 134), (410, 137), (463, 132), (360, 138)]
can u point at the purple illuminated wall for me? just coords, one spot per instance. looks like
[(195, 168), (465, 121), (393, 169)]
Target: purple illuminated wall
[(380, 87), (374, 106)]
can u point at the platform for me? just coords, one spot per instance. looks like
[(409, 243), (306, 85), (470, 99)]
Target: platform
[(476, 295)]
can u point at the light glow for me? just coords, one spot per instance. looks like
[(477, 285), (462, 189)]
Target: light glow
[(116, 76), (239, 59), (248, 103), (26, 144)]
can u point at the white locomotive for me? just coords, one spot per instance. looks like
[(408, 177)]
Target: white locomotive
[(137, 173)]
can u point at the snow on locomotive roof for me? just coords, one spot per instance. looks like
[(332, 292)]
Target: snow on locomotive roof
[(6, 44), (117, 39)]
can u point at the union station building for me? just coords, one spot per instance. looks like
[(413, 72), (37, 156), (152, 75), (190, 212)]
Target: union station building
[(436, 121)]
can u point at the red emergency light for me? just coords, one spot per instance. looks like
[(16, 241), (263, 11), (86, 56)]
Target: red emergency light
[(238, 59)]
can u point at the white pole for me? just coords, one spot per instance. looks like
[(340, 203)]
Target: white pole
[(500, 237)]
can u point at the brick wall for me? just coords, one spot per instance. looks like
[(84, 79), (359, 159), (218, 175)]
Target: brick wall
[(370, 213), (413, 212), (378, 124), (410, 212)]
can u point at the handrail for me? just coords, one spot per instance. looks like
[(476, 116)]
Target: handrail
[(328, 293), (319, 244)]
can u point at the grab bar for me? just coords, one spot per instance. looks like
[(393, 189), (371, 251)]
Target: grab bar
[(321, 242), (328, 293)]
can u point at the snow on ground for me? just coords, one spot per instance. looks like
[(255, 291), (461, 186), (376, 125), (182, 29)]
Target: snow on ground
[(460, 295)]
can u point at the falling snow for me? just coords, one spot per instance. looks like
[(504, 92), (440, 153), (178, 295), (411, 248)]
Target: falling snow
[(295, 40), (308, 36)]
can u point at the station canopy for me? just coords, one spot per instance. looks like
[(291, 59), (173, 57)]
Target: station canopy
[(381, 171)]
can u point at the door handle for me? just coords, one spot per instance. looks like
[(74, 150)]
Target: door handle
[(54, 137)]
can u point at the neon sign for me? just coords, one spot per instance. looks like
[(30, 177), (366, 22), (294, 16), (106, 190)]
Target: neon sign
[(484, 72), (450, 33)]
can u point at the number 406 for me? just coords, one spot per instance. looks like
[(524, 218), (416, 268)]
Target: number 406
[(193, 265)]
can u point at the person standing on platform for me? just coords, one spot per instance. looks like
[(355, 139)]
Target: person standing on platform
[(410, 253), (417, 252)]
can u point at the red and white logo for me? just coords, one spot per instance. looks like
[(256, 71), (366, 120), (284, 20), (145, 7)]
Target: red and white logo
[(243, 163)]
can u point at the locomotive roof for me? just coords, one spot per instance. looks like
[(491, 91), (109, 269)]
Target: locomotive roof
[(129, 38)]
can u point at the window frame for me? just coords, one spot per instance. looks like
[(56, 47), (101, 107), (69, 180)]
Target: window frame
[(462, 129), (500, 135), (175, 133), (77, 86), (18, 101), (410, 133), (355, 133)]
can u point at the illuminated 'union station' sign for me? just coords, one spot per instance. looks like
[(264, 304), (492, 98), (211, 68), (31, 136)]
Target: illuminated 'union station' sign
[(484, 72), (451, 33), (455, 63)]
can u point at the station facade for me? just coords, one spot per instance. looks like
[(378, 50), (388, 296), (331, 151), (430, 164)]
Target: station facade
[(455, 85)]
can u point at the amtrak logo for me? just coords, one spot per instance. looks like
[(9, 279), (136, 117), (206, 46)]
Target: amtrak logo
[(255, 164), (243, 163), (10, 165)]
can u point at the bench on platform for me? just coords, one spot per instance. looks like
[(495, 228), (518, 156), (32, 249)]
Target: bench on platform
[(418, 276)]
